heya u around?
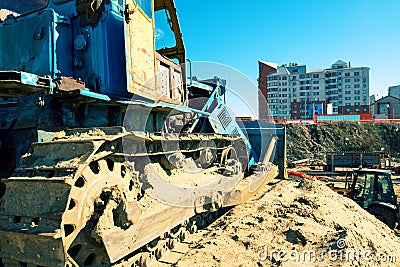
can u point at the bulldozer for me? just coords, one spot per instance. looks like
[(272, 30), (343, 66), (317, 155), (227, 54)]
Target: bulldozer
[(373, 190), (109, 154)]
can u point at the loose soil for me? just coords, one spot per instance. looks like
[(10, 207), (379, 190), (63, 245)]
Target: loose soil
[(313, 141), (300, 219)]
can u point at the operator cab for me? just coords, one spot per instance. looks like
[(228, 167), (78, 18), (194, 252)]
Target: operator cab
[(370, 185), (373, 190)]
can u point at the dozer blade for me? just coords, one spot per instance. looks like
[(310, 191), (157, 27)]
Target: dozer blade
[(250, 186)]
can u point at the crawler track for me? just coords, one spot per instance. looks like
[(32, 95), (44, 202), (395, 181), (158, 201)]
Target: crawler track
[(82, 200), (172, 255)]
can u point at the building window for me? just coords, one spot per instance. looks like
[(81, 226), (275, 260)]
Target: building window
[(284, 78), (357, 92), (357, 110), (347, 74), (315, 76), (347, 86), (347, 98), (364, 92), (357, 98), (356, 86), (347, 92), (357, 103), (315, 93), (294, 83), (348, 110), (356, 73), (364, 86), (302, 76), (316, 82), (357, 80), (346, 80)]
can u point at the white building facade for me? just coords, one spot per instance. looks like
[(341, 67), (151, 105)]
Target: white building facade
[(292, 89)]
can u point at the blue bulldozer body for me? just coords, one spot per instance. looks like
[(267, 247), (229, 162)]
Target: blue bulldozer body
[(95, 116)]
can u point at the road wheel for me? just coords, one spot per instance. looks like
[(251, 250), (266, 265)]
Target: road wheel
[(383, 214)]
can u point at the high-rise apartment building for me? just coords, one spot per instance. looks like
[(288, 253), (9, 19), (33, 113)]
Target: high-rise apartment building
[(293, 92), (264, 68)]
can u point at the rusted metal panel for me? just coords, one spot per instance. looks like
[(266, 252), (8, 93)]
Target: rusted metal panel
[(140, 53), (70, 84), (169, 81)]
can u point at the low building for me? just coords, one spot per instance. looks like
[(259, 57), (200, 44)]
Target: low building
[(387, 107), (394, 91)]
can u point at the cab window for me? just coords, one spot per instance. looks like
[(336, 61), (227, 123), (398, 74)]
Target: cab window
[(165, 36), (146, 6)]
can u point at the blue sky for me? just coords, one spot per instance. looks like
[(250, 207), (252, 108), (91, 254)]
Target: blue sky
[(315, 33)]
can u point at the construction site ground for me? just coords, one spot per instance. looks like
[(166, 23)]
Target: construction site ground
[(292, 223)]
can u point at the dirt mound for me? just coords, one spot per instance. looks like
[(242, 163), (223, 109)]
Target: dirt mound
[(296, 224), (312, 141)]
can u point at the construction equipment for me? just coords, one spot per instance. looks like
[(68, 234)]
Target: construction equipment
[(108, 155), (373, 190)]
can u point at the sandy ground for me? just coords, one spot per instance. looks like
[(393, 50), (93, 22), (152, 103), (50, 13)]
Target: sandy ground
[(296, 224)]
